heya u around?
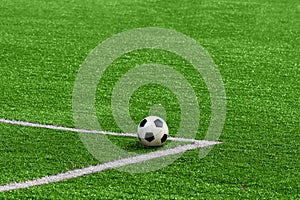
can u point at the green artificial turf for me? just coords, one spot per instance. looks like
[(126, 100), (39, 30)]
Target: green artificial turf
[(255, 45)]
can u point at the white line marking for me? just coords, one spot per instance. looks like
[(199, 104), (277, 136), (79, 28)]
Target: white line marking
[(104, 166), (61, 128)]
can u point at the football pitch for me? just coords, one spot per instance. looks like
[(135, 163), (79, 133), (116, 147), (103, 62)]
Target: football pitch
[(255, 48)]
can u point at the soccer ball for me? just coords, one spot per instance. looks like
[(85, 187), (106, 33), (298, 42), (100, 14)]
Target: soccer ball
[(153, 131)]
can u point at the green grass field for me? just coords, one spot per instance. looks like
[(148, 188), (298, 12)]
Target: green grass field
[(255, 45)]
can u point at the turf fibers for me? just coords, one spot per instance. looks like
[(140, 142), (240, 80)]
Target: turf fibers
[(255, 45)]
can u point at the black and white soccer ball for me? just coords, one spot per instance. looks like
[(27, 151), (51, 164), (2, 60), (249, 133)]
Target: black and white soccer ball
[(153, 131)]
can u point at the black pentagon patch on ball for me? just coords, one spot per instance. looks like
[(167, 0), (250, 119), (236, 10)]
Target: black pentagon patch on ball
[(143, 122), (164, 138), (158, 123), (149, 137)]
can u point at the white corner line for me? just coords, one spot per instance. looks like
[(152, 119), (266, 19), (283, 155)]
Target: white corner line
[(104, 166), (62, 128)]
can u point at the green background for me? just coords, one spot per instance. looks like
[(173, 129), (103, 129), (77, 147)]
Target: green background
[(255, 45)]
